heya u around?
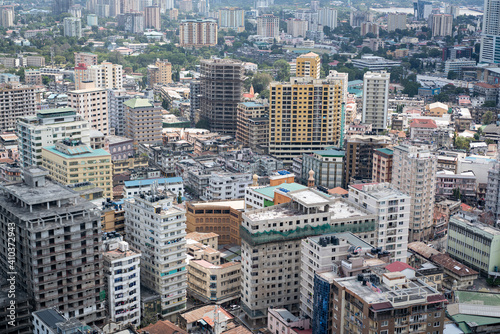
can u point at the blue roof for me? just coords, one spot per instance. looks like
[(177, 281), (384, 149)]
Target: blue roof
[(147, 182), (354, 83), (79, 152), (482, 159), (252, 104)]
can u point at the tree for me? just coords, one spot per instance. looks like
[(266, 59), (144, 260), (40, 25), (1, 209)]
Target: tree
[(261, 81), (452, 75), (462, 143), (456, 194), (179, 198), (488, 117), (282, 70), (411, 88), (489, 104)]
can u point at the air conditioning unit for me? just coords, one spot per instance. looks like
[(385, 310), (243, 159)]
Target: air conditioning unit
[(123, 246)]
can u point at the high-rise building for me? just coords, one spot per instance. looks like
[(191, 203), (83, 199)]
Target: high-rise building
[(106, 75), (357, 17), (490, 39), (72, 27), (328, 17), (492, 199), (232, 18), (92, 104), (203, 7), (268, 26), (296, 27), (132, 22), (221, 91), (61, 6), (305, 114), (253, 125), (70, 162), (198, 33), (159, 73), (143, 121), (370, 28), (156, 227), (86, 58), (50, 126), (117, 97), (14, 103), (441, 24), (382, 165), (195, 100), (185, 6), (57, 257), (7, 17), (81, 74), (396, 21), (375, 99), (152, 17), (422, 9), (92, 20), (327, 165), (414, 173)]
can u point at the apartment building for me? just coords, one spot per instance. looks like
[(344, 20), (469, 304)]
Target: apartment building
[(252, 124), (113, 218), (297, 28), (448, 182), (441, 24), (221, 217), (122, 281), (45, 128), (92, 104), (358, 161), (136, 187), (492, 198), (327, 165), (50, 321), (71, 162), (62, 234), (31, 77), (117, 110), (382, 165), (224, 186), (232, 19), (72, 27), (414, 173), (86, 58), (106, 75), (198, 33), (305, 114), (143, 121), (393, 210), (375, 99), (160, 73), (308, 65), (396, 21), (221, 91), (16, 102), (152, 18), (268, 26), (271, 239), (156, 228)]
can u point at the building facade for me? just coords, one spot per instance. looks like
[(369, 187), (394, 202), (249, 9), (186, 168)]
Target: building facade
[(198, 33), (252, 124), (268, 26), (375, 100), (106, 75), (490, 38), (327, 165), (308, 65), (232, 19), (92, 104), (152, 18), (160, 73), (442, 24), (396, 21), (143, 121), (382, 165), (72, 27), (15, 103)]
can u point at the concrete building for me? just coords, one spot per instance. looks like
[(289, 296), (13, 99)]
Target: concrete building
[(270, 244), (31, 77), (448, 182), (442, 24), (268, 26), (7, 17), (280, 320), (382, 165), (72, 27), (375, 100), (327, 165), (396, 21), (9, 77), (15, 103), (308, 65), (106, 75), (92, 104), (117, 99), (475, 245), (457, 65), (70, 162), (160, 73), (131, 22), (225, 186), (221, 91), (122, 274), (374, 63), (86, 58), (50, 321), (358, 161), (198, 33), (143, 121), (328, 17), (414, 173), (490, 37), (296, 27), (492, 198), (370, 28), (253, 125), (232, 19), (62, 233), (92, 20), (422, 9), (294, 104), (156, 228), (152, 17), (46, 128), (393, 210)]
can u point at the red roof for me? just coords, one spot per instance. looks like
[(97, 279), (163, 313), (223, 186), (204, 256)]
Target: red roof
[(465, 207), (162, 327), (423, 123), (360, 185), (484, 85), (398, 266)]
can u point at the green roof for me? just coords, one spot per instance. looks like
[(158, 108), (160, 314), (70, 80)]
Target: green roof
[(47, 113), (330, 153), (385, 151), (269, 191), (93, 153), (475, 297), (138, 103), (479, 320)]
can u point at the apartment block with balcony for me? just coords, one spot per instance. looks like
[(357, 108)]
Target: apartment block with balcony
[(225, 186), (92, 104), (375, 99), (253, 124), (451, 185), (16, 102), (382, 165), (198, 33), (143, 121), (308, 65)]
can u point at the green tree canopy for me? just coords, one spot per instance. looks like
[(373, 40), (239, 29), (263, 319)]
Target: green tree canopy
[(283, 70)]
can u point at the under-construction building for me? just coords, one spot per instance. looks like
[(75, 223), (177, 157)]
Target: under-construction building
[(57, 259), (221, 91)]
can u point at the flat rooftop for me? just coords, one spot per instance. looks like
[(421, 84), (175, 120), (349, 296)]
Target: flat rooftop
[(308, 197), (238, 204), (350, 238), (118, 254), (379, 190)]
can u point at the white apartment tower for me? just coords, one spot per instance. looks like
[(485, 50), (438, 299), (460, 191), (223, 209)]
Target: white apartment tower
[(106, 75), (72, 27), (375, 99), (396, 21), (232, 18), (414, 173), (92, 104), (268, 26), (328, 17), (156, 227), (490, 39), (441, 24)]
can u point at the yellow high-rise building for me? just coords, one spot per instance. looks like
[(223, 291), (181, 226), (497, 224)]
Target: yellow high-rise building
[(160, 73), (305, 114), (309, 65), (70, 162)]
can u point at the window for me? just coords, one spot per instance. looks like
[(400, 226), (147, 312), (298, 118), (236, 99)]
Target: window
[(437, 324), (385, 323)]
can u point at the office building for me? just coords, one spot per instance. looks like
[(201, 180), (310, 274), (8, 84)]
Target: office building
[(442, 24), (106, 75), (393, 209), (328, 17), (52, 222), (232, 19), (414, 173), (92, 104), (45, 128), (253, 125), (70, 161), (117, 99), (458, 65), (160, 73), (268, 26), (358, 161), (156, 228), (122, 282), (457, 52), (198, 33), (308, 65), (298, 121), (422, 9), (14, 103), (382, 165), (152, 17), (270, 244), (72, 27), (296, 27), (490, 34), (61, 6), (143, 121), (374, 63), (221, 91), (327, 165), (375, 100), (474, 244), (396, 21)]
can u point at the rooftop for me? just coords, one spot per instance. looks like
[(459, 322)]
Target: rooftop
[(452, 265), (138, 103), (379, 190), (269, 191), (348, 236), (50, 318), (206, 311), (422, 249), (423, 123), (162, 327), (78, 152), (148, 182), (330, 153), (385, 151), (398, 266), (197, 236)]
